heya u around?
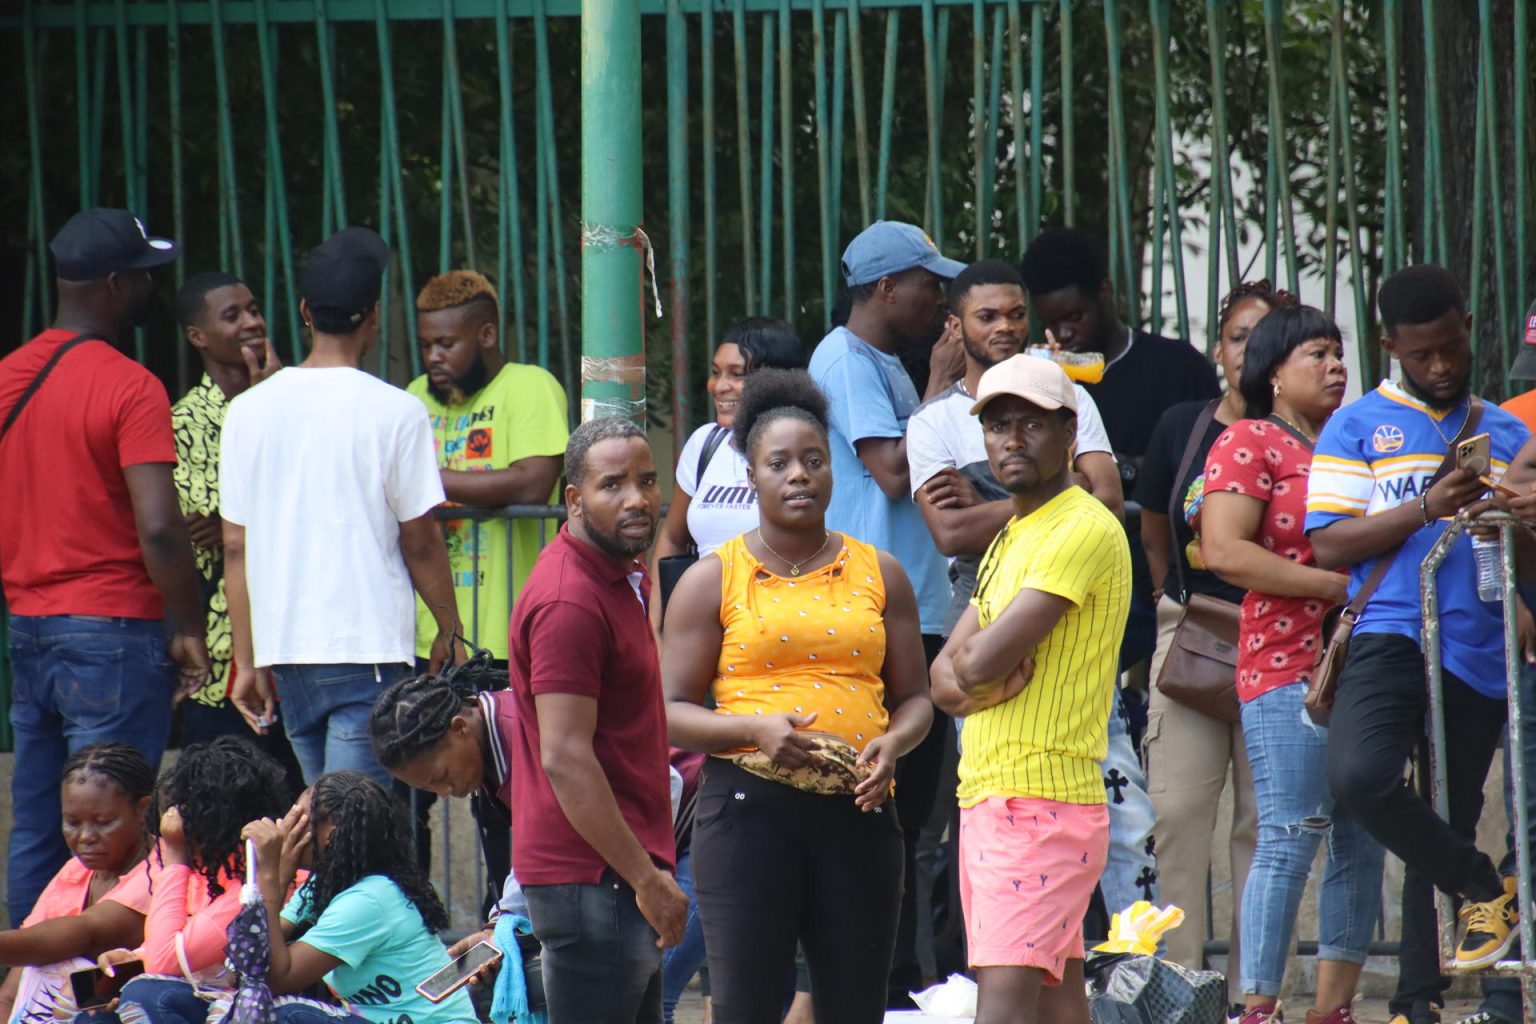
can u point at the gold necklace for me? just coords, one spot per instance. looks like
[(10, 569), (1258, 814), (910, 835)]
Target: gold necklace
[(794, 567), (1310, 438), (1435, 423)]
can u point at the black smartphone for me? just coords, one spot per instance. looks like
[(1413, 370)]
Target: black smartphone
[(459, 973), (94, 987)]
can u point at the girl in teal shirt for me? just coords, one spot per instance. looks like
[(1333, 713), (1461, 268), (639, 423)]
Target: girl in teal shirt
[(367, 919)]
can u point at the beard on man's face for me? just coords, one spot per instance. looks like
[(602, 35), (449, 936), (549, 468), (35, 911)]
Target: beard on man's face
[(466, 384), (615, 544)]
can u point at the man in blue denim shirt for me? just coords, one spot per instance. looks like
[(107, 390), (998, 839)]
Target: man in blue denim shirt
[(92, 544)]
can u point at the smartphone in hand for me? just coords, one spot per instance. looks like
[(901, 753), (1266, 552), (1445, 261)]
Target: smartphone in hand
[(459, 973)]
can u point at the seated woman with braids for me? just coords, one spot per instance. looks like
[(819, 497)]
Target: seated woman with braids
[(193, 876), (366, 919), (92, 904)]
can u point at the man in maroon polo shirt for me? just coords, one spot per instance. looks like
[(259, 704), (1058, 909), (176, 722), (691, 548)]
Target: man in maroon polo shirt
[(591, 804)]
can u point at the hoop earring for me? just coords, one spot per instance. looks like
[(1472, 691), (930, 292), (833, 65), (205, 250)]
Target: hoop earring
[(1277, 389)]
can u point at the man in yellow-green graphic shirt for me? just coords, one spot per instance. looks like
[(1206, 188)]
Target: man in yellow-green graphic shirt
[(500, 430)]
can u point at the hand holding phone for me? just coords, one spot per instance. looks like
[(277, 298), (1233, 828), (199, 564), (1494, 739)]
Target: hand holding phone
[(94, 987), (459, 973)]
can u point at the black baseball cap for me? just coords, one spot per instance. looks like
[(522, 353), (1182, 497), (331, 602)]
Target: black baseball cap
[(1524, 367), (343, 274), (100, 241)]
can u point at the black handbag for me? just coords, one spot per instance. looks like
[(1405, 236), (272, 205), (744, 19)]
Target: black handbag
[(670, 569)]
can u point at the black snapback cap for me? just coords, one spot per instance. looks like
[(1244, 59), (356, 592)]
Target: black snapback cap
[(344, 273), (100, 241)]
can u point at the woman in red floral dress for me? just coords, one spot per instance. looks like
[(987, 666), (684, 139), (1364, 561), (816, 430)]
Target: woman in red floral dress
[(1252, 536)]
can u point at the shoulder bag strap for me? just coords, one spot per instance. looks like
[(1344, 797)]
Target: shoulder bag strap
[(711, 445), (37, 381), (1357, 604), (1175, 499)]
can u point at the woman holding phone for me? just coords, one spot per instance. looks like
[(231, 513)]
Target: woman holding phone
[(92, 904), (364, 873)]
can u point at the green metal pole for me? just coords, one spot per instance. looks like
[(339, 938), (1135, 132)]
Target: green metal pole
[(744, 155), (887, 105), (1393, 251), (707, 133), (613, 341), (765, 166), (860, 111), (678, 200), (1068, 155), (35, 144)]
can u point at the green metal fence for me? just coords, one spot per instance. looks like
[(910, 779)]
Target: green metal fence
[(1370, 133)]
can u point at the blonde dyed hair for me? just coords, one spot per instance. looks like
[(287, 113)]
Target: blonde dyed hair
[(455, 288)]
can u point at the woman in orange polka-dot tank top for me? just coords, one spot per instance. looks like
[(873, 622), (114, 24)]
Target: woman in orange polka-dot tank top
[(808, 642)]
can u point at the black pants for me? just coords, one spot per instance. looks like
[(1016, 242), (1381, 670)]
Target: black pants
[(917, 787), (773, 864), (600, 959), (199, 723), (1379, 719)]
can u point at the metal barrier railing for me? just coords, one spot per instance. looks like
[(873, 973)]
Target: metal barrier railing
[(1523, 968)]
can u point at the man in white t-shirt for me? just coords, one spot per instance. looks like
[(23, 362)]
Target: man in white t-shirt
[(328, 481), (965, 507)]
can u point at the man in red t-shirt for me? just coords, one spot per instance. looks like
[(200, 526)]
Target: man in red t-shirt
[(592, 838), (93, 550)]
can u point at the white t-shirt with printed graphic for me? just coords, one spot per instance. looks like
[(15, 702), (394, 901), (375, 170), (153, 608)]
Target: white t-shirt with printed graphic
[(721, 503)]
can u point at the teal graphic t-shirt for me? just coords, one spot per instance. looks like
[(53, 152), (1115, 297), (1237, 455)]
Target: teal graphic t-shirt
[(385, 951)]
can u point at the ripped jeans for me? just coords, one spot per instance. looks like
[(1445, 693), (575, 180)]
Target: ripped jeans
[(1296, 812)]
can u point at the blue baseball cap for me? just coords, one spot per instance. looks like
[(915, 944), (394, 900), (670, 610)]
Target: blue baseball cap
[(889, 247)]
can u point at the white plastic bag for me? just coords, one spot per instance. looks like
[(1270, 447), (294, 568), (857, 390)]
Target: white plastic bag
[(955, 997)]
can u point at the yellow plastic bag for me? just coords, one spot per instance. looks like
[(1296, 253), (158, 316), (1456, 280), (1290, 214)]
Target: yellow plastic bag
[(1138, 927)]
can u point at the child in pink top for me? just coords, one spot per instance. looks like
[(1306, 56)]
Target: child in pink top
[(92, 903), (194, 876)]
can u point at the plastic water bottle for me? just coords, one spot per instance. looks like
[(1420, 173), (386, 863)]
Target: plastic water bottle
[(1489, 555)]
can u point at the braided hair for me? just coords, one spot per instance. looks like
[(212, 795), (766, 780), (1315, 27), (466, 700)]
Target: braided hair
[(118, 763), (369, 836), (412, 715), (218, 787), (1262, 289)]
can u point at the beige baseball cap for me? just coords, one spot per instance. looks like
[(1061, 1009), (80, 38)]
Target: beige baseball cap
[(1038, 381)]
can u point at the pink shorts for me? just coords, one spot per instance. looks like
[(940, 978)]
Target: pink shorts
[(1028, 868)]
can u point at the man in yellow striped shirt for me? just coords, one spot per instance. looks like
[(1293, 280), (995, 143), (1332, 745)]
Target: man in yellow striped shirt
[(1031, 665)]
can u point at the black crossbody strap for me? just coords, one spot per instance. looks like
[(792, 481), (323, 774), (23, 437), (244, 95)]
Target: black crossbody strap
[(711, 445), (37, 382), (1175, 499)]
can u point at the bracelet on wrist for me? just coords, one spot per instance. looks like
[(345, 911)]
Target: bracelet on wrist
[(1424, 507)]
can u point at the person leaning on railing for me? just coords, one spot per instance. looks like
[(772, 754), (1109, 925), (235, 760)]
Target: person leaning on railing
[(1187, 750), (713, 501)]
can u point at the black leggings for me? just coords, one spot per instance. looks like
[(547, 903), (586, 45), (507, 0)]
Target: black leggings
[(773, 865)]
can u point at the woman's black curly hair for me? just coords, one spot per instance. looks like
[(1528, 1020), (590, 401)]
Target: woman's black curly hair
[(369, 836), (772, 395), (412, 715), (218, 787)]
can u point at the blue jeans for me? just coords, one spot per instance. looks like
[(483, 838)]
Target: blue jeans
[(325, 711), (680, 963), (1296, 812), (77, 680), (601, 962), (172, 1001), (1131, 871)]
